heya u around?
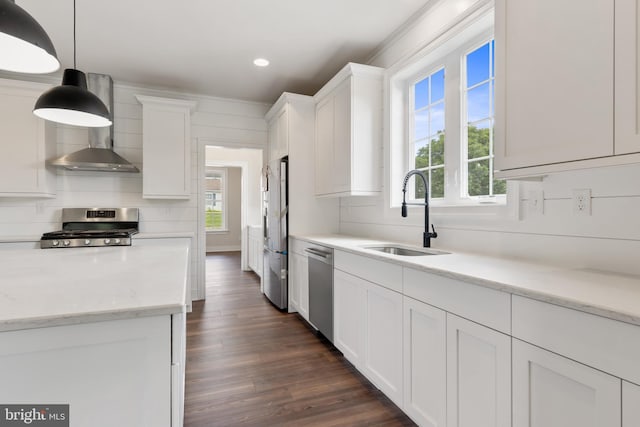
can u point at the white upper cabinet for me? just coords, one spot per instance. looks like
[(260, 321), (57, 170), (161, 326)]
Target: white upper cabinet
[(554, 84), (278, 123), (27, 142), (348, 138), (166, 147), (627, 52)]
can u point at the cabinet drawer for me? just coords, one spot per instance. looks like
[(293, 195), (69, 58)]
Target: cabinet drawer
[(482, 305), (605, 344), (380, 272)]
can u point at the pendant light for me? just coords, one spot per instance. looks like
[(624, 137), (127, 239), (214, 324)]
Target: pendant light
[(72, 103), (25, 46)]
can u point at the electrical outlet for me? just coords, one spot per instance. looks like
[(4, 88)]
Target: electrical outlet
[(582, 201)]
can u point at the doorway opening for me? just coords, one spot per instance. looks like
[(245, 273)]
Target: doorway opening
[(230, 206)]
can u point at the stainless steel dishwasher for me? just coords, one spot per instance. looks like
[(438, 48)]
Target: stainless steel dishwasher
[(320, 263)]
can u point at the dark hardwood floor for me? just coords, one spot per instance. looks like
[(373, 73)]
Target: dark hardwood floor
[(250, 365)]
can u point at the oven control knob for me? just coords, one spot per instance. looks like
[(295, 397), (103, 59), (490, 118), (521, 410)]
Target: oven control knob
[(107, 241), (87, 242), (55, 243), (116, 242), (66, 243)]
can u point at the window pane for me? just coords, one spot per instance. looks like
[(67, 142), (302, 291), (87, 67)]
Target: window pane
[(421, 94), (437, 119), (478, 103), (419, 193), (421, 125), (437, 86), (478, 65), (422, 156), (437, 150), (478, 181), (499, 186), (437, 183), (478, 138)]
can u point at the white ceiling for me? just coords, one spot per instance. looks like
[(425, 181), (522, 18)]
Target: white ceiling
[(208, 46)]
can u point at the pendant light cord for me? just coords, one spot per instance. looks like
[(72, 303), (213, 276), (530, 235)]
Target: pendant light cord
[(74, 34)]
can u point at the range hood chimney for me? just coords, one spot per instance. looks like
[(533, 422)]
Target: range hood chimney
[(100, 155)]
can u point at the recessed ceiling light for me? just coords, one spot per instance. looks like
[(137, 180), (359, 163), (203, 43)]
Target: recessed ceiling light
[(260, 62)]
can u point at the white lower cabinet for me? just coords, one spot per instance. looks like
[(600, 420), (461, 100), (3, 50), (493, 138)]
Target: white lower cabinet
[(295, 279), (552, 391), (478, 375), (111, 373), (298, 279), (630, 404), (383, 340), (348, 316), (255, 249), (425, 361), (368, 331)]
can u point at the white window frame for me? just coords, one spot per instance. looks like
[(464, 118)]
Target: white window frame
[(223, 175), (448, 50)]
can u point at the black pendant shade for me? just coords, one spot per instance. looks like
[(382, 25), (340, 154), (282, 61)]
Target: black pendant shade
[(24, 45), (72, 104)]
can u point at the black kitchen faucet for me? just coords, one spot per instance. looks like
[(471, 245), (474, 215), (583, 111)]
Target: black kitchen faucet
[(427, 235)]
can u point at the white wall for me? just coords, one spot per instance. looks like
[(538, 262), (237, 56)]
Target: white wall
[(609, 239), (235, 122)]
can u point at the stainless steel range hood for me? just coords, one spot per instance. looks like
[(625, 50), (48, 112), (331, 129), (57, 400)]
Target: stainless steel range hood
[(100, 155)]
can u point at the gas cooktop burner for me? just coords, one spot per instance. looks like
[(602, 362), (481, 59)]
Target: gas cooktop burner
[(93, 228)]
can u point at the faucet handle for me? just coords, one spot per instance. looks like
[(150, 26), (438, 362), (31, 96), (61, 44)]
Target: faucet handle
[(434, 234)]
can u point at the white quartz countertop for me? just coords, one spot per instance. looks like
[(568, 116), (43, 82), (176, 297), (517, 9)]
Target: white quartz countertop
[(50, 287), (608, 294)]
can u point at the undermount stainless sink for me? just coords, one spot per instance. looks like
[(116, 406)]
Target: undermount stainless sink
[(404, 251)]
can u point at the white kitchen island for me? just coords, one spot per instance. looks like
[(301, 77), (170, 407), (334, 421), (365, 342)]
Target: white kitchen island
[(100, 329)]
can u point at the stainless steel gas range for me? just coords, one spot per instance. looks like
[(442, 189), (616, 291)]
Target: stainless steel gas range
[(92, 227)]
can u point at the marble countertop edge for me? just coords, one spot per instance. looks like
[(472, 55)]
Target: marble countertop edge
[(517, 277)]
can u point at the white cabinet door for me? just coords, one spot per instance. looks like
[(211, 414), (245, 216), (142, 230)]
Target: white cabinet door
[(27, 142), (630, 405), (425, 353), (272, 142), (563, 110), (279, 134), (295, 276), (166, 148), (324, 146), (348, 316), (552, 391), (283, 133), (478, 375), (383, 340), (303, 285), (627, 77), (178, 362), (342, 139)]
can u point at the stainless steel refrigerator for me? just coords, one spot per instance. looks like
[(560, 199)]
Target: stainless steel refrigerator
[(276, 233)]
